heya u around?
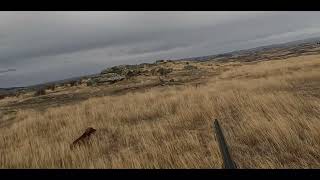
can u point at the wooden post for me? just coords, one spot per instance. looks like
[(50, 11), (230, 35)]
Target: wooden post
[(227, 161)]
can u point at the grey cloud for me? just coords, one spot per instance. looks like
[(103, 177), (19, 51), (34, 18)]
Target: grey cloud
[(7, 70), (36, 34), (42, 44)]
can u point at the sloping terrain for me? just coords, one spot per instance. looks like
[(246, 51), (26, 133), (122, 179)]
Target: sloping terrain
[(269, 111)]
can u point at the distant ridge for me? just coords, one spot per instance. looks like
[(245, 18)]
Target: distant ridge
[(197, 58), (40, 85), (260, 48)]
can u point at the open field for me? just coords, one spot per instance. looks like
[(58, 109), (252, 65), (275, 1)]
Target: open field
[(269, 111)]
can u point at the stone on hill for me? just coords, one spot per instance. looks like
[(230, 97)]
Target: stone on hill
[(91, 82), (124, 69), (40, 92), (110, 77), (132, 73), (190, 67), (121, 70), (159, 61), (164, 71)]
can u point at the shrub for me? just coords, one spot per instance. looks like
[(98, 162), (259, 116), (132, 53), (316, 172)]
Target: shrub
[(153, 71), (121, 69), (2, 96), (91, 83), (51, 87), (164, 71), (190, 67), (159, 61), (73, 83), (132, 73), (40, 92)]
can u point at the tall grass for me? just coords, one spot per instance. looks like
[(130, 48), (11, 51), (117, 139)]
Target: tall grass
[(270, 120)]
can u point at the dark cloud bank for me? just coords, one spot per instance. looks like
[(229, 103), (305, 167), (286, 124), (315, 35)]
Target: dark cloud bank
[(47, 46)]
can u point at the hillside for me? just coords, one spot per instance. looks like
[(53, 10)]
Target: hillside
[(161, 115)]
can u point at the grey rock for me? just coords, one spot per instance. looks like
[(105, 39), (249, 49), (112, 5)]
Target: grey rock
[(164, 71), (110, 77), (190, 67)]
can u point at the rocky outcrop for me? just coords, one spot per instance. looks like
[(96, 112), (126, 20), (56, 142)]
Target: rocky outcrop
[(164, 71), (109, 78), (51, 87), (159, 61), (132, 73), (118, 73), (121, 70), (161, 71), (40, 92), (190, 67), (74, 83)]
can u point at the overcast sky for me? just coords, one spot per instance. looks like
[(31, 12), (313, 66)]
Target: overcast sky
[(37, 47)]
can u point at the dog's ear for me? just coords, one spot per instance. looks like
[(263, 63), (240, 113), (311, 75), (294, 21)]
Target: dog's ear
[(90, 130)]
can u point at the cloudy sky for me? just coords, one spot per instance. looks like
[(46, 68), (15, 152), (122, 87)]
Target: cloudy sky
[(37, 47)]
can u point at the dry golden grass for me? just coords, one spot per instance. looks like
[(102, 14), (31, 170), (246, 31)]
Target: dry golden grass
[(269, 111)]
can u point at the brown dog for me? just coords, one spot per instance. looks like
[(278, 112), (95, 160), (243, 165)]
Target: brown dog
[(83, 137)]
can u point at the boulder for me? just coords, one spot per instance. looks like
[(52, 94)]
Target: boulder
[(40, 92), (51, 87), (164, 71), (91, 82), (159, 61), (190, 67), (122, 70), (110, 77), (154, 71), (74, 83), (146, 65), (132, 73)]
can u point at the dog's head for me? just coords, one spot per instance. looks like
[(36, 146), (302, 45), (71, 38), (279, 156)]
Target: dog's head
[(90, 130)]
